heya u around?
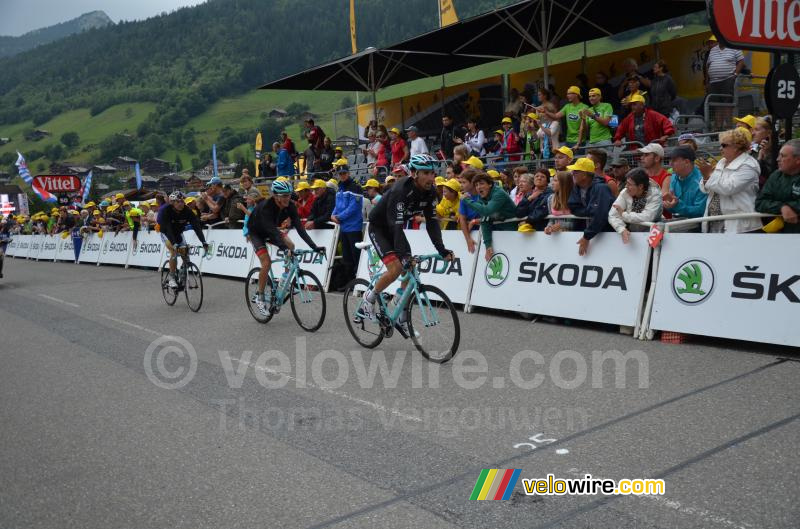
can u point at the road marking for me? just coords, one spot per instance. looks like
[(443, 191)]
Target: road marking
[(145, 329), (373, 405), (51, 298), (562, 451)]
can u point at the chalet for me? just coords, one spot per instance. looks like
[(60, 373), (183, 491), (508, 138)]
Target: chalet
[(148, 182), (223, 170), (123, 163), (156, 166), (170, 183), (37, 135), (194, 183), (5, 177), (103, 170), (68, 168), (3, 141), (278, 113)]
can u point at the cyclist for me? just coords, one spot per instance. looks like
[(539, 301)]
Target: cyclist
[(408, 196), (5, 238), (173, 218), (262, 227)]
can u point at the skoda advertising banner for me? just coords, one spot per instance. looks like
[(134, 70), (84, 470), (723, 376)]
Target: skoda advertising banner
[(730, 286), (36, 245), (12, 248), (314, 263), (49, 246), (453, 277), (90, 249), (114, 249), (24, 246), (541, 274), (65, 250), (147, 251), (229, 253)]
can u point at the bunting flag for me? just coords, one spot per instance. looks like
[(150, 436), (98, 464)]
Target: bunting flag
[(214, 158), (353, 26), (22, 167), (259, 145), (447, 13), (87, 186), (138, 176)]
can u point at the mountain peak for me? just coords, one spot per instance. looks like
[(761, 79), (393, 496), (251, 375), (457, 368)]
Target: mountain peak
[(14, 45)]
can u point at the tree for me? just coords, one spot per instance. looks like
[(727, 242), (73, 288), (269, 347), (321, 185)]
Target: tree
[(70, 139), (178, 163), (347, 102), (295, 109), (54, 151)]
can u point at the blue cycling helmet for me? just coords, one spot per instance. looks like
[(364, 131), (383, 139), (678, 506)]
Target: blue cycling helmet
[(422, 162), (281, 187)]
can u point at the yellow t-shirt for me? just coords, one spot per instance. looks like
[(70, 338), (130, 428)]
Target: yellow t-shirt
[(447, 208)]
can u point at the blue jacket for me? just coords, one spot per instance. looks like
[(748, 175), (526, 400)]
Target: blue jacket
[(535, 212), (691, 201), (284, 165), (349, 199), (596, 205)]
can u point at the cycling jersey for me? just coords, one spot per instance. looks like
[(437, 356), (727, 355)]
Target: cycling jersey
[(262, 226), (173, 222), (390, 215)]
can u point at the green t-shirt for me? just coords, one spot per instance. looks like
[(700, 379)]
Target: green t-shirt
[(571, 114), (598, 131)]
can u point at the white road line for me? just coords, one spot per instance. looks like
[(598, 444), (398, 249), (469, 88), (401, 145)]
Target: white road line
[(373, 405), (51, 298), (117, 320)]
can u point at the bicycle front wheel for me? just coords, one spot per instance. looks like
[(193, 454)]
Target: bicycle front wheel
[(308, 301), (250, 289), (433, 324), (170, 294), (365, 332), (193, 287)]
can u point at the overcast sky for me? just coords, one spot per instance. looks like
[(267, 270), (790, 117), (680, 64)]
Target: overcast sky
[(20, 16)]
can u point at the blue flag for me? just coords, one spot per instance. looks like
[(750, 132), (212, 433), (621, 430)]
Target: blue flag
[(214, 157), (87, 185), (138, 177)]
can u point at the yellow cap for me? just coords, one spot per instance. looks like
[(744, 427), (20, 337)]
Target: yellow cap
[(373, 183), (390, 178), (119, 195), (340, 162), (453, 184), (440, 180), (774, 226), (552, 171), (282, 179), (636, 98), (526, 228), (574, 90), (318, 184), (505, 120), (90, 205), (337, 148), (74, 212), (566, 151), (712, 38), (135, 212), (533, 115), (582, 164), (595, 92), (126, 203), (301, 186), (395, 130), (474, 162), (494, 174), (500, 132), (96, 213), (189, 200), (748, 120), (113, 208)]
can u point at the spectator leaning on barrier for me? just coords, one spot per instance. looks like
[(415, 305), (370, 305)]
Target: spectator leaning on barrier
[(305, 200), (447, 208), (348, 215), (591, 198), (251, 199), (563, 157), (535, 198), (230, 213), (558, 204), (600, 158), (643, 125), (684, 197), (597, 119), (781, 193), (639, 202), (468, 218), (494, 205), (322, 208), (732, 185)]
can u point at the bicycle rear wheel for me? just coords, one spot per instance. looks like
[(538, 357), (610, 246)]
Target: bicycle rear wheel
[(433, 324), (308, 301), (193, 287), (170, 294), (250, 289), (365, 332)]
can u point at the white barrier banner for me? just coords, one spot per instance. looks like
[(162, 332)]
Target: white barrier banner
[(114, 249), (90, 249), (541, 274), (49, 247), (454, 278), (229, 253), (745, 287), (147, 251), (35, 245), (314, 263), (65, 250), (12, 248)]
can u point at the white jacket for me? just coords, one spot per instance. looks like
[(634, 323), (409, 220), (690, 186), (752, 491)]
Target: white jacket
[(736, 183), (650, 213)]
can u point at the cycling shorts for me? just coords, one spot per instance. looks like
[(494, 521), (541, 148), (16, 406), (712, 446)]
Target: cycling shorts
[(180, 244), (259, 244), (382, 242)]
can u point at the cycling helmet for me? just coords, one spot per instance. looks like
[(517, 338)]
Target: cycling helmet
[(422, 162), (177, 195), (280, 187)]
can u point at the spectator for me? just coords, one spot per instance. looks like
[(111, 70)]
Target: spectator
[(322, 208), (558, 204), (781, 193), (371, 128), (383, 155), (619, 171), (213, 198), (549, 131), (468, 218), (583, 85), (515, 176), (449, 137), (643, 125), (572, 112), (528, 137), (732, 185), (511, 147), (639, 202), (630, 70), (398, 147), (721, 69), (251, 199), (494, 205), (687, 139), (597, 118), (634, 85), (447, 208), (372, 189), (327, 155), (535, 195), (748, 122), (590, 198), (684, 198), (305, 200), (288, 144), (607, 92), (347, 214), (390, 180), (285, 166), (371, 150), (545, 96), (231, 214), (316, 138), (474, 138), (761, 148), (245, 182), (418, 145), (662, 89), (495, 148), (600, 158), (564, 157), (651, 161)]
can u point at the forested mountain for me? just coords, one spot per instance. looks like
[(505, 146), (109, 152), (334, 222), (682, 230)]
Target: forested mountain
[(13, 45)]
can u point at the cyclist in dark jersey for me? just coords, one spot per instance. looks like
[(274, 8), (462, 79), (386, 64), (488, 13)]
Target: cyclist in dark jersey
[(5, 238), (262, 228), (173, 218), (408, 196)]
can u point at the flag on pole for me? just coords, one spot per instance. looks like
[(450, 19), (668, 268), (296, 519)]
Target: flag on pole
[(259, 144), (138, 176), (214, 158), (447, 13), (87, 186), (22, 167), (353, 25)]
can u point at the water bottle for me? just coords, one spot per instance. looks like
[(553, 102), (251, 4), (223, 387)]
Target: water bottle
[(284, 277)]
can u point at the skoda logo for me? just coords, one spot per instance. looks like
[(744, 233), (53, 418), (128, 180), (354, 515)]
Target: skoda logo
[(496, 270), (693, 282)]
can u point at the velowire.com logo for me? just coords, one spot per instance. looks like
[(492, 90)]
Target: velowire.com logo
[(496, 270), (693, 282)]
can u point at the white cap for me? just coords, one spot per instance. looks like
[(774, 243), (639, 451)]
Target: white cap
[(654, 148)]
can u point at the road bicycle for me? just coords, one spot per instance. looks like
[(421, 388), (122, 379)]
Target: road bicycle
[(300, 287), (189, 281), (422, 312)]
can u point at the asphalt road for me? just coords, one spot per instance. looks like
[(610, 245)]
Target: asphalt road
[(92, 436)]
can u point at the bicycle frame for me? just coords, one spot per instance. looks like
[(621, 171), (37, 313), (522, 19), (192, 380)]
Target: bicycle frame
[(294, 267)]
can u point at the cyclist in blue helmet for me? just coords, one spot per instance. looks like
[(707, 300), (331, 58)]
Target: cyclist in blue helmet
[(263, 227), (409, 196)]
